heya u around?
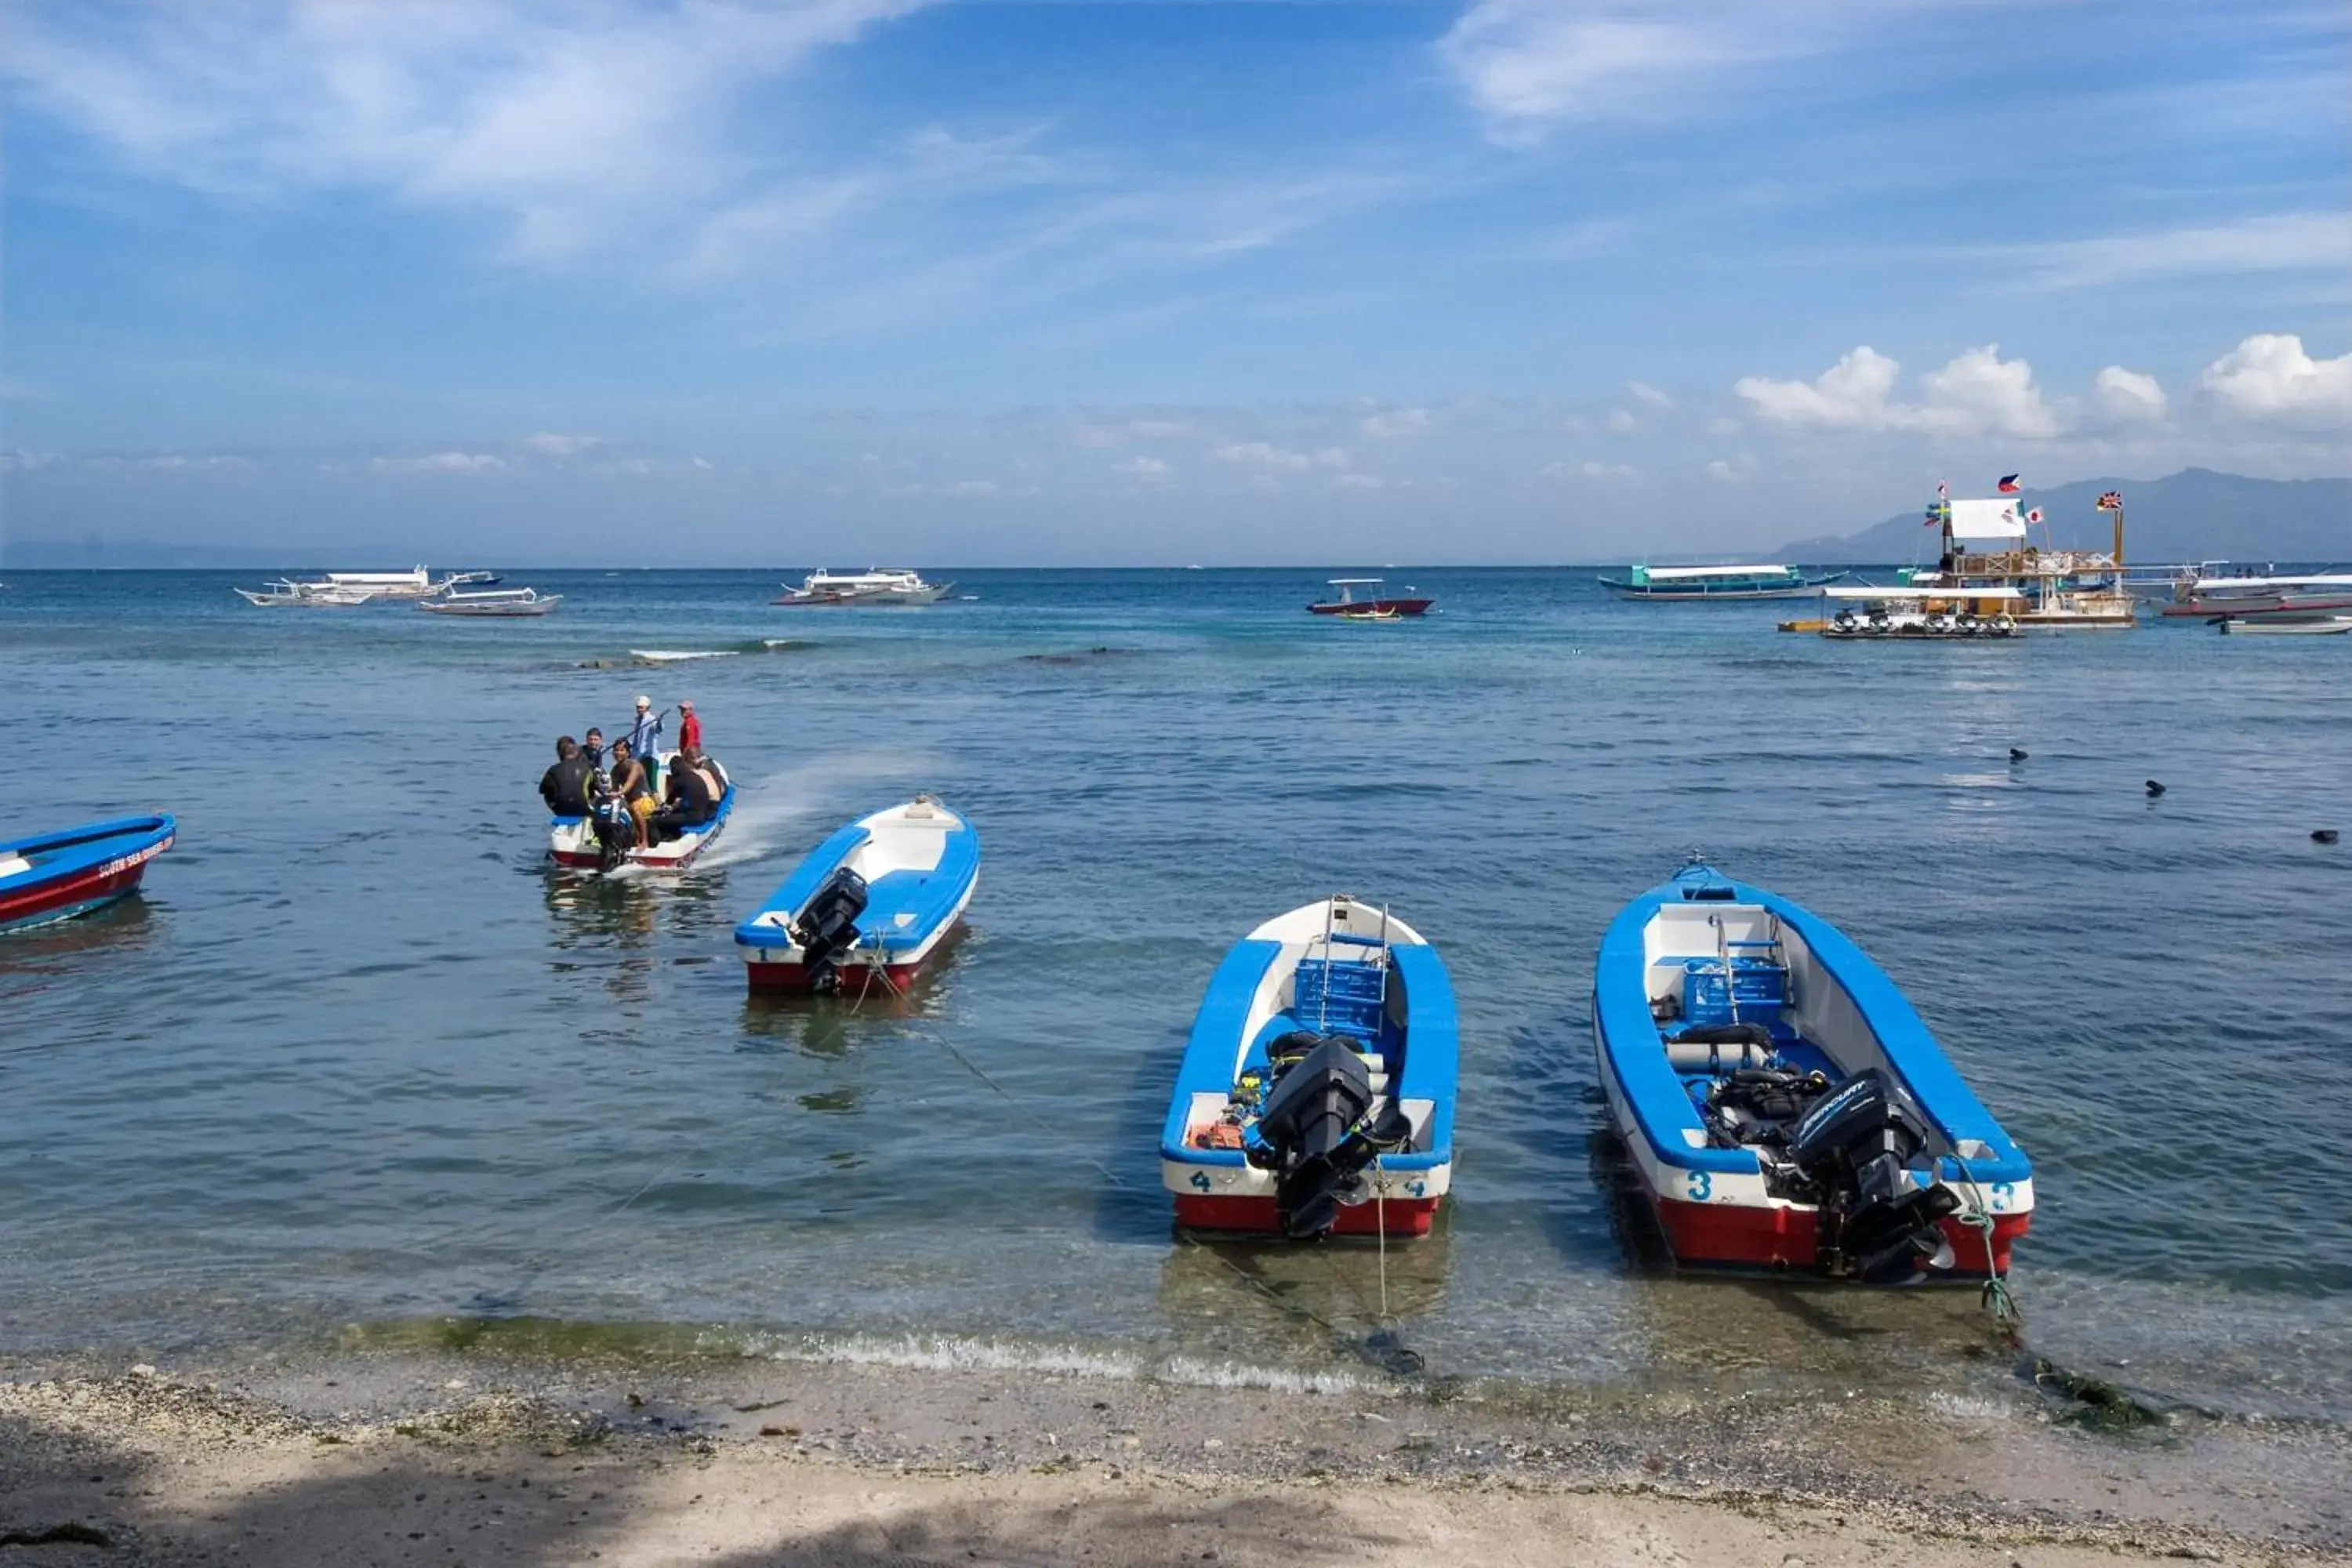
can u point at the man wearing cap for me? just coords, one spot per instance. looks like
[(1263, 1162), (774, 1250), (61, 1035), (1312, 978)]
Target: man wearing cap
[(689, 729), (642, 736)]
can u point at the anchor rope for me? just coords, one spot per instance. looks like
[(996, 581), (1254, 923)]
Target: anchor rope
[(1998, 1298)]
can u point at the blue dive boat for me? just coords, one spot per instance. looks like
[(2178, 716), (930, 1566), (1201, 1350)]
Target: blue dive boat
[(879, 899), (1783, 1105), (1772, 582), (56, 875), (1317, 1093)]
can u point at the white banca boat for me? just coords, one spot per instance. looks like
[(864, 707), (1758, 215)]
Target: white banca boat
[(1784, 1106), (1913, 614), (345, 589), (574, 841), (504, 603), (1317, 1092), (306, 595), (2304, 625), (2262, 597), (871, 588), (868, 908), (1727, 582)]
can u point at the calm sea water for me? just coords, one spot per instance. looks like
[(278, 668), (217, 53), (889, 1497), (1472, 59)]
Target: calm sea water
[(359, 1060)]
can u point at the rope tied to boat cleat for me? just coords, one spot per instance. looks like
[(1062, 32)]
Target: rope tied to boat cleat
[(1997, 1295)]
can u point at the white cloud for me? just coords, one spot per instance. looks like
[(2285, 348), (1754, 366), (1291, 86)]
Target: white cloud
[(2282, 242), (1729, 472), (2129, 397), (553, 446), (2271, 376), (1644, 392), (1396, 424), (1360, 482), (1592, 469), (439, 463), (970, 488), (1264, 454), (570, 126), (1979, 393), (1150, 469), (1622, 422)]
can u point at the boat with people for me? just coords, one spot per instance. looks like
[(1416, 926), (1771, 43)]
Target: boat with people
[(504, 603), (53, 877), (1372, 608), (1317, 1092), (873, 903), (604, 838), (1782, 1104), (1860, 612), (871, 588), (1771, 581), (1987, 545)]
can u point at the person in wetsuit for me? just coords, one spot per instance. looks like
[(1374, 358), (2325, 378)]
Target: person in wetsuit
[(691, 798), (565, 785)]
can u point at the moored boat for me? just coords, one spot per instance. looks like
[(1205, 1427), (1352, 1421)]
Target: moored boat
[(1317, 1092), (1726, 582), (874, 902), (1375, 607), (1861, 612), (2266, 596), (56, 875), (504, 603), (877, 588), (2289, 626), (1783, 1106), (573, 841)]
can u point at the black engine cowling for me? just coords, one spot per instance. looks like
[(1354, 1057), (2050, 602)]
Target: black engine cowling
[(827, 927), (1312, 1133), (1851, 1151)]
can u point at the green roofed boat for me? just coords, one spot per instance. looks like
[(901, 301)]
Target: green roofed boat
[(1769, 581)]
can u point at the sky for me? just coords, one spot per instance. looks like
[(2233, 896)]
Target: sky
[(1151, 281)]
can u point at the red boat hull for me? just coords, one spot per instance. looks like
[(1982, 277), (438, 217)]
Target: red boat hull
[(1770, 1240), (1374, 607), (792, 979), (76, 894), (1258, 1216)]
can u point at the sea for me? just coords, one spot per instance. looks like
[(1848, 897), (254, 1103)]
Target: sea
[(360, 1068)]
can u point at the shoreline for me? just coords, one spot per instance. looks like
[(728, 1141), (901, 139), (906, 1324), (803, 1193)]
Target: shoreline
[(455, 1456)]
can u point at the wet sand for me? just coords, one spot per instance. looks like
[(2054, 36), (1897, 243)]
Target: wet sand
[(438, 1458)]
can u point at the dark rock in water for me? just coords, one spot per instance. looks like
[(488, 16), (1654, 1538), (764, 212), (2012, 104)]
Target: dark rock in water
[(2323, 836), (2153, 789), (2015, 755)]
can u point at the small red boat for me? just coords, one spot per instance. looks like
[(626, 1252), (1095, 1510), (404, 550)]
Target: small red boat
[(1375, 608)]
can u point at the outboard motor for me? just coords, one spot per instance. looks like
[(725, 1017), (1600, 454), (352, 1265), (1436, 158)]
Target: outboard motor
[(827, 928), (1312, 1132), (1851, 1149)]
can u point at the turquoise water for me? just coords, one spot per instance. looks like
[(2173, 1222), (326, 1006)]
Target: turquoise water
[(359, 1056)]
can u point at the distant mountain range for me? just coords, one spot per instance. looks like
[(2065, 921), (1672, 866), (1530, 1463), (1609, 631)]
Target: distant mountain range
[(2193, 515)]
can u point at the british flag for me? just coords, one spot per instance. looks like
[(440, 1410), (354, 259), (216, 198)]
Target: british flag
[(2111, 502)]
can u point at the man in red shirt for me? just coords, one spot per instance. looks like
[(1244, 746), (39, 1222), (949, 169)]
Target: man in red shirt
[(689, 729)]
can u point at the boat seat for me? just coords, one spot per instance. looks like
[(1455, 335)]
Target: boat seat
[(1339, 995)]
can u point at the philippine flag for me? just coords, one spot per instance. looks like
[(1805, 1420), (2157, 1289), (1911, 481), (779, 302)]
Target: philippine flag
[(2009, 486)]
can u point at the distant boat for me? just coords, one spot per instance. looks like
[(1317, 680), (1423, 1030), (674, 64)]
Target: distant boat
[(1727, 582), (877, 897), (500, 602), (2280, 627), (1374, 607), (305, 596), (878, 586), (2267, 596), (345, 589), (56, 876), (1317, 1092)]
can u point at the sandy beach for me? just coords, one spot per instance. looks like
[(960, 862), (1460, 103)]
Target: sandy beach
[(451, 1460)]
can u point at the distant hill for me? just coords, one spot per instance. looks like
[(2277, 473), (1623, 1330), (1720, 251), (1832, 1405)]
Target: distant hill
[(2193, 515)]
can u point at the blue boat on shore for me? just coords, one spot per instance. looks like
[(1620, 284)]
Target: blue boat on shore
[(54, 877), (1317, 1092), (871, 905), (1783, 1105)]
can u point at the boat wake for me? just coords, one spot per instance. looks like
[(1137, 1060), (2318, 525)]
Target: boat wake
[(776, 812), (658, 656)]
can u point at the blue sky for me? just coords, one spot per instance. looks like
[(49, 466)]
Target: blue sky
[(1072, 282)]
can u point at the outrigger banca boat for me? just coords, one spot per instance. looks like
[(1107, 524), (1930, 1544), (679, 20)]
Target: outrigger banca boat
[(877, 899), (1783, 1105), (56, 875), (1317, 1093), (573, 841)]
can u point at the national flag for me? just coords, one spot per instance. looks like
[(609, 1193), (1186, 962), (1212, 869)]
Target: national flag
[(2111, 502), (2009, 486), (1935, 516), (1942, 490), (2033, 516)]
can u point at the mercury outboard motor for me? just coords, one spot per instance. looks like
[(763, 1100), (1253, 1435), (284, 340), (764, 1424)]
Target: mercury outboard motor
[(1851, 1149), (1312, 1133), (827, 928)]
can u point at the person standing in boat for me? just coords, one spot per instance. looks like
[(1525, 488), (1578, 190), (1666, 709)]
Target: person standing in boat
[(689, 729), (565, 785), (644, 740)]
